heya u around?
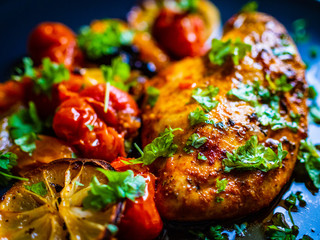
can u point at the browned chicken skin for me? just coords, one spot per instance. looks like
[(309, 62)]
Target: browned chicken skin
[(186, 188)]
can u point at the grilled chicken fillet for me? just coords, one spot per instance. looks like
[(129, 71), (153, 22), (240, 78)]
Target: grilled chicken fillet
[(186, 187)]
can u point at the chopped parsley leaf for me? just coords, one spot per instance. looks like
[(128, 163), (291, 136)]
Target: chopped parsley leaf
[(280, 229), (98, 44), (309, 156), (251, 6), (121, 185), (214, 233), (221, 51), (280, 84), (26, 71), (117, 74), (219, 199), (202, 157), (221, 185), (161, 146), (205, 97), (38, 188), (291, 201), (24, 126), (51, 73), (153, 94), (7, 162), (254, 156), (188, 5), (194, 141), (90, 127), (197, 116)]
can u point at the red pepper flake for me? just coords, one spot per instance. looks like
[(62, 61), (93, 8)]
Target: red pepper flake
[(187, 85)]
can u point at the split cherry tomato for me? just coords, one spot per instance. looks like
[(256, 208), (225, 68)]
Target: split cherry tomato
[(82, 122), (180, 34), (141, 219), (56, 41)]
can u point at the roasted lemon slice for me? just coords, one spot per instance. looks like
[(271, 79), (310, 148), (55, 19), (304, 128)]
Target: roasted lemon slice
[(49, 205)]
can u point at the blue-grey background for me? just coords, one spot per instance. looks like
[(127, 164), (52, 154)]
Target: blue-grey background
[(18, 17)]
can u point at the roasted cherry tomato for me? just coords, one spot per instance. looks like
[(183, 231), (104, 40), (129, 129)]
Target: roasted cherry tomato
[(141, 219), (11, 92), (180, 34), (82, 122), (56, 41)]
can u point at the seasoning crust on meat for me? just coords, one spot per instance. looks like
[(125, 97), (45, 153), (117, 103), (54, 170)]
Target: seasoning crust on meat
[(186, 186)]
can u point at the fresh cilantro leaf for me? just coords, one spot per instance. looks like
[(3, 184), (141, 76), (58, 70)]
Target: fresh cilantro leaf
[(292, 199), (221, 51), (117, 74), (26, 71), (251, 6), (121, 185), (197, 116), (202, 157), (161, 146), (300, 33), (214, 233), (253, 156), (51, 73), (312, 93), (309, 156), (24, 127), (314, 112), (219, 199), (205, 97), (188, 5), (280, 84), (90, 127), (280, 230), (221, 185), (38, 188), (266, 105), (153, 94), (240, 230), (194, 141), (7, 162), (98, 44)]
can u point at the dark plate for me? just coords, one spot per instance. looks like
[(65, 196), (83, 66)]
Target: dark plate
[(18, 17)]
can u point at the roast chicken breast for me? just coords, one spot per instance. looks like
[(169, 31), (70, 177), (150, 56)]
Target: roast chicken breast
[(186, 187)]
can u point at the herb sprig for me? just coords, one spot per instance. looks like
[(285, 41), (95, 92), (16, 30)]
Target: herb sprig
[(121, 185), (254, 156)]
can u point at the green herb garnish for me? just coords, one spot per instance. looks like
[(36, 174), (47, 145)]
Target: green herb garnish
[(121, 185), (221, 51), (194, 141), (90, 127), (254, 156), (291, 201), (221, 185), (205, 97), (38, 188), (161, 146), (26, 71), (117, 74), (309, 156), (188, 5), (197, 116), (280, 230), (7, 162), (202, 157), (24, 127), (153, 94), (251, 6), (98, 44), (214, 233)]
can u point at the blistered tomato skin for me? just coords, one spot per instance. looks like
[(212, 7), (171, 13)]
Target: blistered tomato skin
[(81, 121), (55, 41), (180, 34), (73, 121), (141, 219)]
